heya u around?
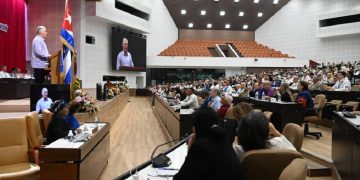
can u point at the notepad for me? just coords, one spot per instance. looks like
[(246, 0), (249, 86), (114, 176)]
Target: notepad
[(166, 172)]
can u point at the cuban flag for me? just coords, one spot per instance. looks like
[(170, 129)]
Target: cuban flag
[(67, 39)]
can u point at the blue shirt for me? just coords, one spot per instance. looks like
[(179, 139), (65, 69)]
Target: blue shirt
[(73, 122), (124, 60), (215, 103), (39, 53), (43, 104)]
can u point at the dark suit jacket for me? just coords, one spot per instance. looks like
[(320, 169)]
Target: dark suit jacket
[(209, 160)]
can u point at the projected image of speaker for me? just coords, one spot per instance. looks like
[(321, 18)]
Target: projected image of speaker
[(99, 94)]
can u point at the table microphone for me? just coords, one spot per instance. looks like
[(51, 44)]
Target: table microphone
[(161, 160)]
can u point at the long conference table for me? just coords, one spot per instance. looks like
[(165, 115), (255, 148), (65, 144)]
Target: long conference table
[(346, 146), (179, 124), (287, 112), (63, 159), (177, 155)]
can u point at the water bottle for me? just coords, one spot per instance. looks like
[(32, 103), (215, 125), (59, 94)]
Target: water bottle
[(70, 135), (263, 96), (257, 95)]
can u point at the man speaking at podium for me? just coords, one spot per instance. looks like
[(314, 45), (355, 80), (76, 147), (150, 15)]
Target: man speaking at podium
[(39, 54)]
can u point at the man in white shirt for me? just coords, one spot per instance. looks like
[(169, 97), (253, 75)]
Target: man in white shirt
[(44, 102), (227, 88), (3, 73), (190, 100), (124, 58), (215, 99), (295, 83), (343, 83)]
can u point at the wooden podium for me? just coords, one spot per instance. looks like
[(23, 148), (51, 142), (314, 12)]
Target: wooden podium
[(54, 68)]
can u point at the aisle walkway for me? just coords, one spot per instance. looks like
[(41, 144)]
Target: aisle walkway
[(133, 137)]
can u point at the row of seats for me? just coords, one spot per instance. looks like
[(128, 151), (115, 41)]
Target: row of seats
[(200, 48), (20, 143)]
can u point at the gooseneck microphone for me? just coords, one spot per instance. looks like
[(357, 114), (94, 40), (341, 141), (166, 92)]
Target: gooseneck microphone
[(161, 160)]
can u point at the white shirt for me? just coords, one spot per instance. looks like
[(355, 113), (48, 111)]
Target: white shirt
[(228, 90), (124, 60), (190, 101), (294, 86), (342, 85), (43, 104), (276, 142), (4, 74)]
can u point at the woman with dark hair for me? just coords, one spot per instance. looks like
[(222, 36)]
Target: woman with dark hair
[(210, 155), (304, 99), (285, 93), (58, 126), (254, 131), (73, 122)]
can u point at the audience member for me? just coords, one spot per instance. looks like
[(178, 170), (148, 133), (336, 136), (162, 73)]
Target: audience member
[(214, 102), (58, 126), (191, 100), (74, 107), (210, 155), (225, 104), (285, 93), (342, 83), (253, 134), (304, 99)]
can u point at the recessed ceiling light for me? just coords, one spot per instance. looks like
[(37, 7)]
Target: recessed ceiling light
[(241, 13), (236, 1), (227, 26), (276, 1), (191, 25), (222, 13), (260, 14), (203, 12), (183, 11), (245, 26), (216, 0), (256, 1), (209, 25)]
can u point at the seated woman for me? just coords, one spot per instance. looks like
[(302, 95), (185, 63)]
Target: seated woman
[(254, 131), (285, 93), (73, 122), (225, 104), (58, 126), (304, 99), (210, 156)]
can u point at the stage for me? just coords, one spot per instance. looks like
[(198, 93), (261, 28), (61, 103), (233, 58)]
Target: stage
[(109, 109)]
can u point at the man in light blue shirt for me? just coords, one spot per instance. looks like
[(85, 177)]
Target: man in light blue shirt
[(39, 54), (215, 99), (124, 58), (44, 102)]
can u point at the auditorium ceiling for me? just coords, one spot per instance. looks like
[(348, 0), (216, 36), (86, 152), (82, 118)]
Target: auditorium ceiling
[(245, 15)]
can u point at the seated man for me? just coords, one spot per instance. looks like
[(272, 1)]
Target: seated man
[(3, 73), (269, 91), (342, 83), (214, 103), (190, 100), (44, 102)]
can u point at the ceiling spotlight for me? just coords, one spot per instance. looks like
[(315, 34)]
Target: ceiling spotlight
[(256, 1), (222, 13), (260, 14), (216, 0), (183, 11), (209, 25), (191, 25), (236, 1), (245, 26), (227, 26), (241, 13), (203, 12), (276, 1)]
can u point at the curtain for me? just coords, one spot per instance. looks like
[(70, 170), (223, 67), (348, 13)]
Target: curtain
[(13, 42)]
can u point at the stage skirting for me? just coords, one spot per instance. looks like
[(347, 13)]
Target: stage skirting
[(109, 110)]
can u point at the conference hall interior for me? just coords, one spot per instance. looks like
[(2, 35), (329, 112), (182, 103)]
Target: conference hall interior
[(180, 89)]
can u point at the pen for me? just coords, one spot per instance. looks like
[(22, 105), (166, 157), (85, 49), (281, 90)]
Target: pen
[(169, 169)]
